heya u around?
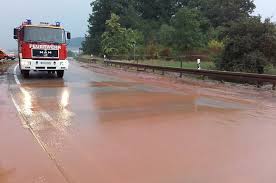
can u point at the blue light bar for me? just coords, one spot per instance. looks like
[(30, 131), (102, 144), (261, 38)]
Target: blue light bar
[(58, 24), (29, 22)]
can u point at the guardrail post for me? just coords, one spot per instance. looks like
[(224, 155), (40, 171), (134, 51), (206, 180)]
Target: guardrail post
[(259, 84), (181, 66), (274, 86), (198, 64)]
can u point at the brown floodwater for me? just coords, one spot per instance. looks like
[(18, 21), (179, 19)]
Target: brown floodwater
[(113, 126)]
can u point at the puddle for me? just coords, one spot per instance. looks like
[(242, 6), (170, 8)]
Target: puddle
[(112, 84), (148, 99), (2, 78), (219, 104), (5, 174), (44, 84), (132, 105), (2, 102)]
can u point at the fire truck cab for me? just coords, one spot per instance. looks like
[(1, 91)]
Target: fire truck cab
[(42, 47)]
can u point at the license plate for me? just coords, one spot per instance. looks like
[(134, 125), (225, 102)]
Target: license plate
[(45, 63)]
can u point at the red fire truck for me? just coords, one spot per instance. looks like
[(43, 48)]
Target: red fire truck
[(42, 48)]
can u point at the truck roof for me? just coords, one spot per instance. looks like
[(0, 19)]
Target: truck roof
[(45, 26)]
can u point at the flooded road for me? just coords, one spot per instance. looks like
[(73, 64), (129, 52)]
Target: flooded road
[(113, 126)]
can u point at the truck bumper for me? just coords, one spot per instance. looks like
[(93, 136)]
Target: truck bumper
[(44, 65)]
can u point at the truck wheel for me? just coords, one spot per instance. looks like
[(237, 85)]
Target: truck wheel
[(25, 73), (60, 74)]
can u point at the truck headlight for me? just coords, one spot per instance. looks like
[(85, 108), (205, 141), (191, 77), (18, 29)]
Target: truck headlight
[(24, 63)]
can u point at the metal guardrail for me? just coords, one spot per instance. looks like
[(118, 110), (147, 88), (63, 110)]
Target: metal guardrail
[(258, 79)]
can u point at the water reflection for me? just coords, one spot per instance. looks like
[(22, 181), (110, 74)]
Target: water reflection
[(118, 106), (65, 98), (65, 115), (27, 102), (218, 104)]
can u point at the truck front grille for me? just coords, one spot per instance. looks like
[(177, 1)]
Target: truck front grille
[(38, 53), (40, 68)]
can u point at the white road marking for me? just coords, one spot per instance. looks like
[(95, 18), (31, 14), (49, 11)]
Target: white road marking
[(47, 116), (15, 75), (35, 135), (16, 105), (44, 114), (24, 124), (17, 80)]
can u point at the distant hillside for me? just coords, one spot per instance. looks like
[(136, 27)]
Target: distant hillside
[(75, 43)]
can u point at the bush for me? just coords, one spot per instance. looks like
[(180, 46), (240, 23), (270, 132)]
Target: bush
[(254, 62), (166, 52), (250, 46), (71, 54), (215, 46), (152, 51)]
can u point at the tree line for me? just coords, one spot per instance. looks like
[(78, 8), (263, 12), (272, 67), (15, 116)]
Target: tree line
[(233, 38)]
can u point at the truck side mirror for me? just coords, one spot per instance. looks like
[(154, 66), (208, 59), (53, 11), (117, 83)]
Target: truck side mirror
[(15, 33), (68, 35)]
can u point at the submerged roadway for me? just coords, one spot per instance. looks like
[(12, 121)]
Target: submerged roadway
[(108, 126)]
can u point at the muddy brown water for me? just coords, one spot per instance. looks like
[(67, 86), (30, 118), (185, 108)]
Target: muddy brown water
[(113, 126)]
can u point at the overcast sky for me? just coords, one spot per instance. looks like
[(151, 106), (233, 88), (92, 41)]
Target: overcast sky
[(72, 13)]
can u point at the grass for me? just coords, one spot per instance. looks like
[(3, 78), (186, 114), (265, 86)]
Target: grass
[(86, 56), (177, 64), (271, 70)]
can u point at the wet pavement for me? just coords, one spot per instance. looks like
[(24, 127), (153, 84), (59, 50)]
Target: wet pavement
[(113, 126)]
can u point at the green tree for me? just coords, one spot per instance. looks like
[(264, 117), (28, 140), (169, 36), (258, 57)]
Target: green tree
[(157, 10), (250, 46), (71, 54), (195, 21), (166, 35), (118, 40), (101, 11), (189, 29), (220, 12)]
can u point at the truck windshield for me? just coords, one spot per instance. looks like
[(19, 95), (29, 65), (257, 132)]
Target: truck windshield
[(48, 35)]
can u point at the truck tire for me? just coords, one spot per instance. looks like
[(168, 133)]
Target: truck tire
[(25, 73), (60, 74)]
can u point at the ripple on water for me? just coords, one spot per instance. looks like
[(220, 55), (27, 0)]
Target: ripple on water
[(220, 104)]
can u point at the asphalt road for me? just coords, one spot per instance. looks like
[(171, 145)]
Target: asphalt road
[(117, 127)]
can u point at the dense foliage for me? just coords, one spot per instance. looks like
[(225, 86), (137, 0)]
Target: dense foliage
[(177, 27), (250, 46), (71, 54), (117, 40)]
